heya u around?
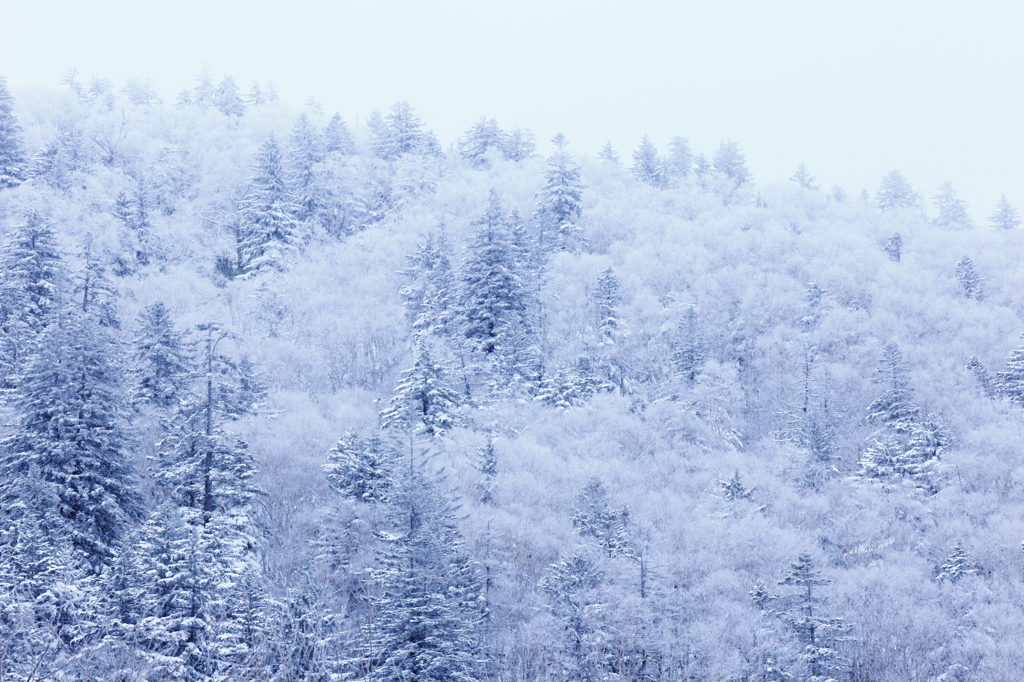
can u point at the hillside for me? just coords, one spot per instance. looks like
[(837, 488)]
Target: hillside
[(418, 409)]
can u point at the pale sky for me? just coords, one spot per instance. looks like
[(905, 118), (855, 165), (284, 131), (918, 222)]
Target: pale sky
[(933, 88)]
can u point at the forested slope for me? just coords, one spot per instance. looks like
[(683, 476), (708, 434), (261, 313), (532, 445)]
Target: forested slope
[(287, 400)]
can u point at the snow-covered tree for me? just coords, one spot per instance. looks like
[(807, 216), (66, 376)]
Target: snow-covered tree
[(305, 151), (12, 156), (688, 354), (70, 437), (606, 300), (647, 165), (227, 98), (481, 138), (733, 488), (679, 160), (895, 192), (958, 564), (430, 297), (360, 468), (573, 386), (336, 137), (573, 588), (969, 279), (422, 402), (428, 607), (269, 230), (1005, 216), (730, 162), (400, 132), (519, 144), (952, 209), (986, 382), (1011, 380), (895, 407), (803, 178), (894, 247), (162, 357), (819, 635), (609, 155), (560, 201), (593, 517), (487, 464)]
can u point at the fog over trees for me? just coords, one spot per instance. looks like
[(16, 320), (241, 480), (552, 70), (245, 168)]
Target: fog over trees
[(288, 398)]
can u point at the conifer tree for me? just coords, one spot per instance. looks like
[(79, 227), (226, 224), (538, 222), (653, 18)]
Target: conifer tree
[(986, 382), (895, 192), (519, 144), (803, 178), (819, 635), (838, 194), (487, 465), (595, 518), (730, 162), (430, 297), (1005, 216), (606, 298), (647, 165), (400, 132), (970, 281), (428, 607), (952, 209), (733, 489), (269, 230), (1011, 380), (679, 161), (688, 355), (482, 137), (560, 200), (360, 468), (702, 168), (957, 565), (894, 408), (609, 155), (336, 137), (422, 402), (69, 436), (893, 247), (573, 587), (163, 360), (12, 157), (227, 98), (305, 152)]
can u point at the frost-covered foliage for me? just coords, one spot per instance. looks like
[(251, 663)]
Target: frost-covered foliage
[(615, 406)]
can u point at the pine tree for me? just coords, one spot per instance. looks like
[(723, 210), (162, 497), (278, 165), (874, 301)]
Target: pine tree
[(838, 194), (952, 210), (519, 144), (429, 297), (895, 192), (400, 132), (688, 355), (163, 361), (679, 161), (609, 155), (336, 137), (986, 382), (12, 157), (360, 468), (428, 604), (492, 298), (647, 165), (733, 489), (573, 386), (560, 200), (269, 230), (1005, 216), (69, 436), (306, 150), (487, 465), (422, 403), (227, 98), (803, 178), (573, 587), (894, 408), (957, 565), (702, 168), (1011, 380), (730, 162), (484, 136), (893, 247), (818, 634), (970, 281), (607, 299), (593, 517)]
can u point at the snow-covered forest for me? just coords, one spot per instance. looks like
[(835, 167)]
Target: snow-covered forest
[(290, 398)]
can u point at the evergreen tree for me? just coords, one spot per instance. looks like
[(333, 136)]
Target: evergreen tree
[(1011, 380), (986, 382), (400, 132), (733, 489), (957, 565), (428, 605), (1005, 216), (647, 165), (573, 587), (895, 192), (594, 517), (688, 355), (609, 155), (894, 408), (560, 200), (487, 465), (59, 159), (336, 137), (519, 144), (952, 210), (702, 168), (69, 436), (475, 144), (819, 635), (429, 297), (306, 151), (838, 194), (12, 157), (163, 360), (269, 230), (131, 209), (970, 281), (422, 403), (607, 299), (679, 161), (730, 162), (803, 178), (572, 387), (893, 247), (227, 98), (360, 468)]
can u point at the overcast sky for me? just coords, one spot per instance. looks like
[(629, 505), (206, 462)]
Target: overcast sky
[(854, 89)]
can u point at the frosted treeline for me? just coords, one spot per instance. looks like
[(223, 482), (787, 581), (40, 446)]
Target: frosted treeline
[(286, 399)]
